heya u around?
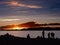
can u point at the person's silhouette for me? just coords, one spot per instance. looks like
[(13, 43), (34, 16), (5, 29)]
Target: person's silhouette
[(7, 33), (43, 34), (38, 37), (52, 35), (49, 35), (28, 36)]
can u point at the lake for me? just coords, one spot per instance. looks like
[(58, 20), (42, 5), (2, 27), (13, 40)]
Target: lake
[(33, 34)]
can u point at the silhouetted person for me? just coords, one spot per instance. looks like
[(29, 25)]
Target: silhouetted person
[(49, 35), (28, 36), (43, 34), (7, 33), (52, 35), (38, 37)]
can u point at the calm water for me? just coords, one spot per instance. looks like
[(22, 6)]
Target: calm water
[(33, 34)]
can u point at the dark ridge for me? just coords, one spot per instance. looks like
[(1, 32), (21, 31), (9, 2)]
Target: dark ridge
[(13, 40), (36, 29), (41, 28)]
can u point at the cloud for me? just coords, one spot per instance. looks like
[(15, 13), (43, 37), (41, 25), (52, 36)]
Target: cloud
[(23, 25), (19, 4), (29, 25), (15, 3), (9, 19), (33, 6)]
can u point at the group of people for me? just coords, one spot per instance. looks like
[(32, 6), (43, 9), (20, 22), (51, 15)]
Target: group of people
[(51, 35)]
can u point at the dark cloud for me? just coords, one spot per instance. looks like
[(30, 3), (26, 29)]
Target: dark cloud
[(29, 25)]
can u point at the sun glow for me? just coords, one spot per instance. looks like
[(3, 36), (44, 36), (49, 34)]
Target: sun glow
[(17, 28)]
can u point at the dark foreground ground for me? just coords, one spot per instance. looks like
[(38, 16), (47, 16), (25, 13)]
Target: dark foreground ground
[(12, 40)]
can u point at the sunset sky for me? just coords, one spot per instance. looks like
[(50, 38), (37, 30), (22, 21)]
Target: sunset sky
[(20, 11)]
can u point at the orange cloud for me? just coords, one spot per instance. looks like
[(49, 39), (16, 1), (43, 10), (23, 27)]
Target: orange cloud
[(33, 6), (16, 3)]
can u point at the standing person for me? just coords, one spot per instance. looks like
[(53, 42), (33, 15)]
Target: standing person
[(43, 34), (52, 35), (28, 36), (49, 35)]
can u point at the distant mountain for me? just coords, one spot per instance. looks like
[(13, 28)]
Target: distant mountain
[(54, 24)]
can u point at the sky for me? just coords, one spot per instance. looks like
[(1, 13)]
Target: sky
[(20, 11)]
